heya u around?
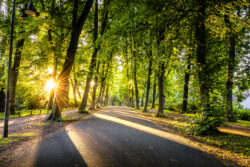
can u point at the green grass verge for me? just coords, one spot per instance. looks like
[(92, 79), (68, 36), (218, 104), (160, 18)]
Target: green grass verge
[(241, 123), (14, 138), (235, 143), (85, 111), (25, 113)]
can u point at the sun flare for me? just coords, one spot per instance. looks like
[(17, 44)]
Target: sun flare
[(50, 84)]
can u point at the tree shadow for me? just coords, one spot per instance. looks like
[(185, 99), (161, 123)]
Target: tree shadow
[(57, 150)]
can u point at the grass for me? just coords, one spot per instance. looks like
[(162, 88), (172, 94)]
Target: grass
[(24, 113), (190, 115), (85, 111), (235, 143), (241, 123), (15, 137)]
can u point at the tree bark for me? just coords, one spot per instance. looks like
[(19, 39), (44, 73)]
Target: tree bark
[(231, 68), (154, 90), (132, 97), (185, 92), (161, 88), (148, 81), (200, 36), (135, 78), (77, 26), (106, 96), (14, 74), (98, 103), (93, 102), (83, 104), (161, 52)]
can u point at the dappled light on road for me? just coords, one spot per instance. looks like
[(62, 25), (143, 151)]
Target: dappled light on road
[(153, 131)]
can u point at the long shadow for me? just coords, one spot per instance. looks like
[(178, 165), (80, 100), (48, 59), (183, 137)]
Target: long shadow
[(57, 150)]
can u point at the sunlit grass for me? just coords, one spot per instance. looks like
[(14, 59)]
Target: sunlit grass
[(24, 113), (242, 123), (15, 137), (235, 143)]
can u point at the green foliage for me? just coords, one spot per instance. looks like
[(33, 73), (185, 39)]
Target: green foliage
[(242, 114), (203, 125), (84, 111)]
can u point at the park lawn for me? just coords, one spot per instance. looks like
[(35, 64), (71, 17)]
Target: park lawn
[(14, 138), (241, 123), (26, 113), (236, 143)]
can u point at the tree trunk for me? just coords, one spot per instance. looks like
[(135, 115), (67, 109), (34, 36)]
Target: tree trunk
[(106, 96), (230, 73), (93, 102), (154, 91), (77, 26), (135, 81), (200, 36), (98, 103), (148, 81), (161, 89), (132, 97), (185, 92), (83, 104), (14, 74)]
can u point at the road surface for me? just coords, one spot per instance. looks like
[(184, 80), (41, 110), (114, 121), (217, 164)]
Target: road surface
[(113, 137)]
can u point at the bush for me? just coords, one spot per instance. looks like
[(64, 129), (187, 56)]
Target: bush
[(192, 108), (202, 124), (242, 114), (173, 107)]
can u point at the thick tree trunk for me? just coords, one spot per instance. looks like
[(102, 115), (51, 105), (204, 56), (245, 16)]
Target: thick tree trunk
[(185, 92), (161, 53), (77, 26), (154, 91), (230, 73), (83, 104), (14, 74), (200, 36), (161, 89), (148, 81)]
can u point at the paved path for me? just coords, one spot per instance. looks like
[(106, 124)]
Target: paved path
[(113, 137), (21, 122)]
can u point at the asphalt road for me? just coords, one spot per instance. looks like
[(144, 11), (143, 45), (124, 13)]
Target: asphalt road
[(113, 137)]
